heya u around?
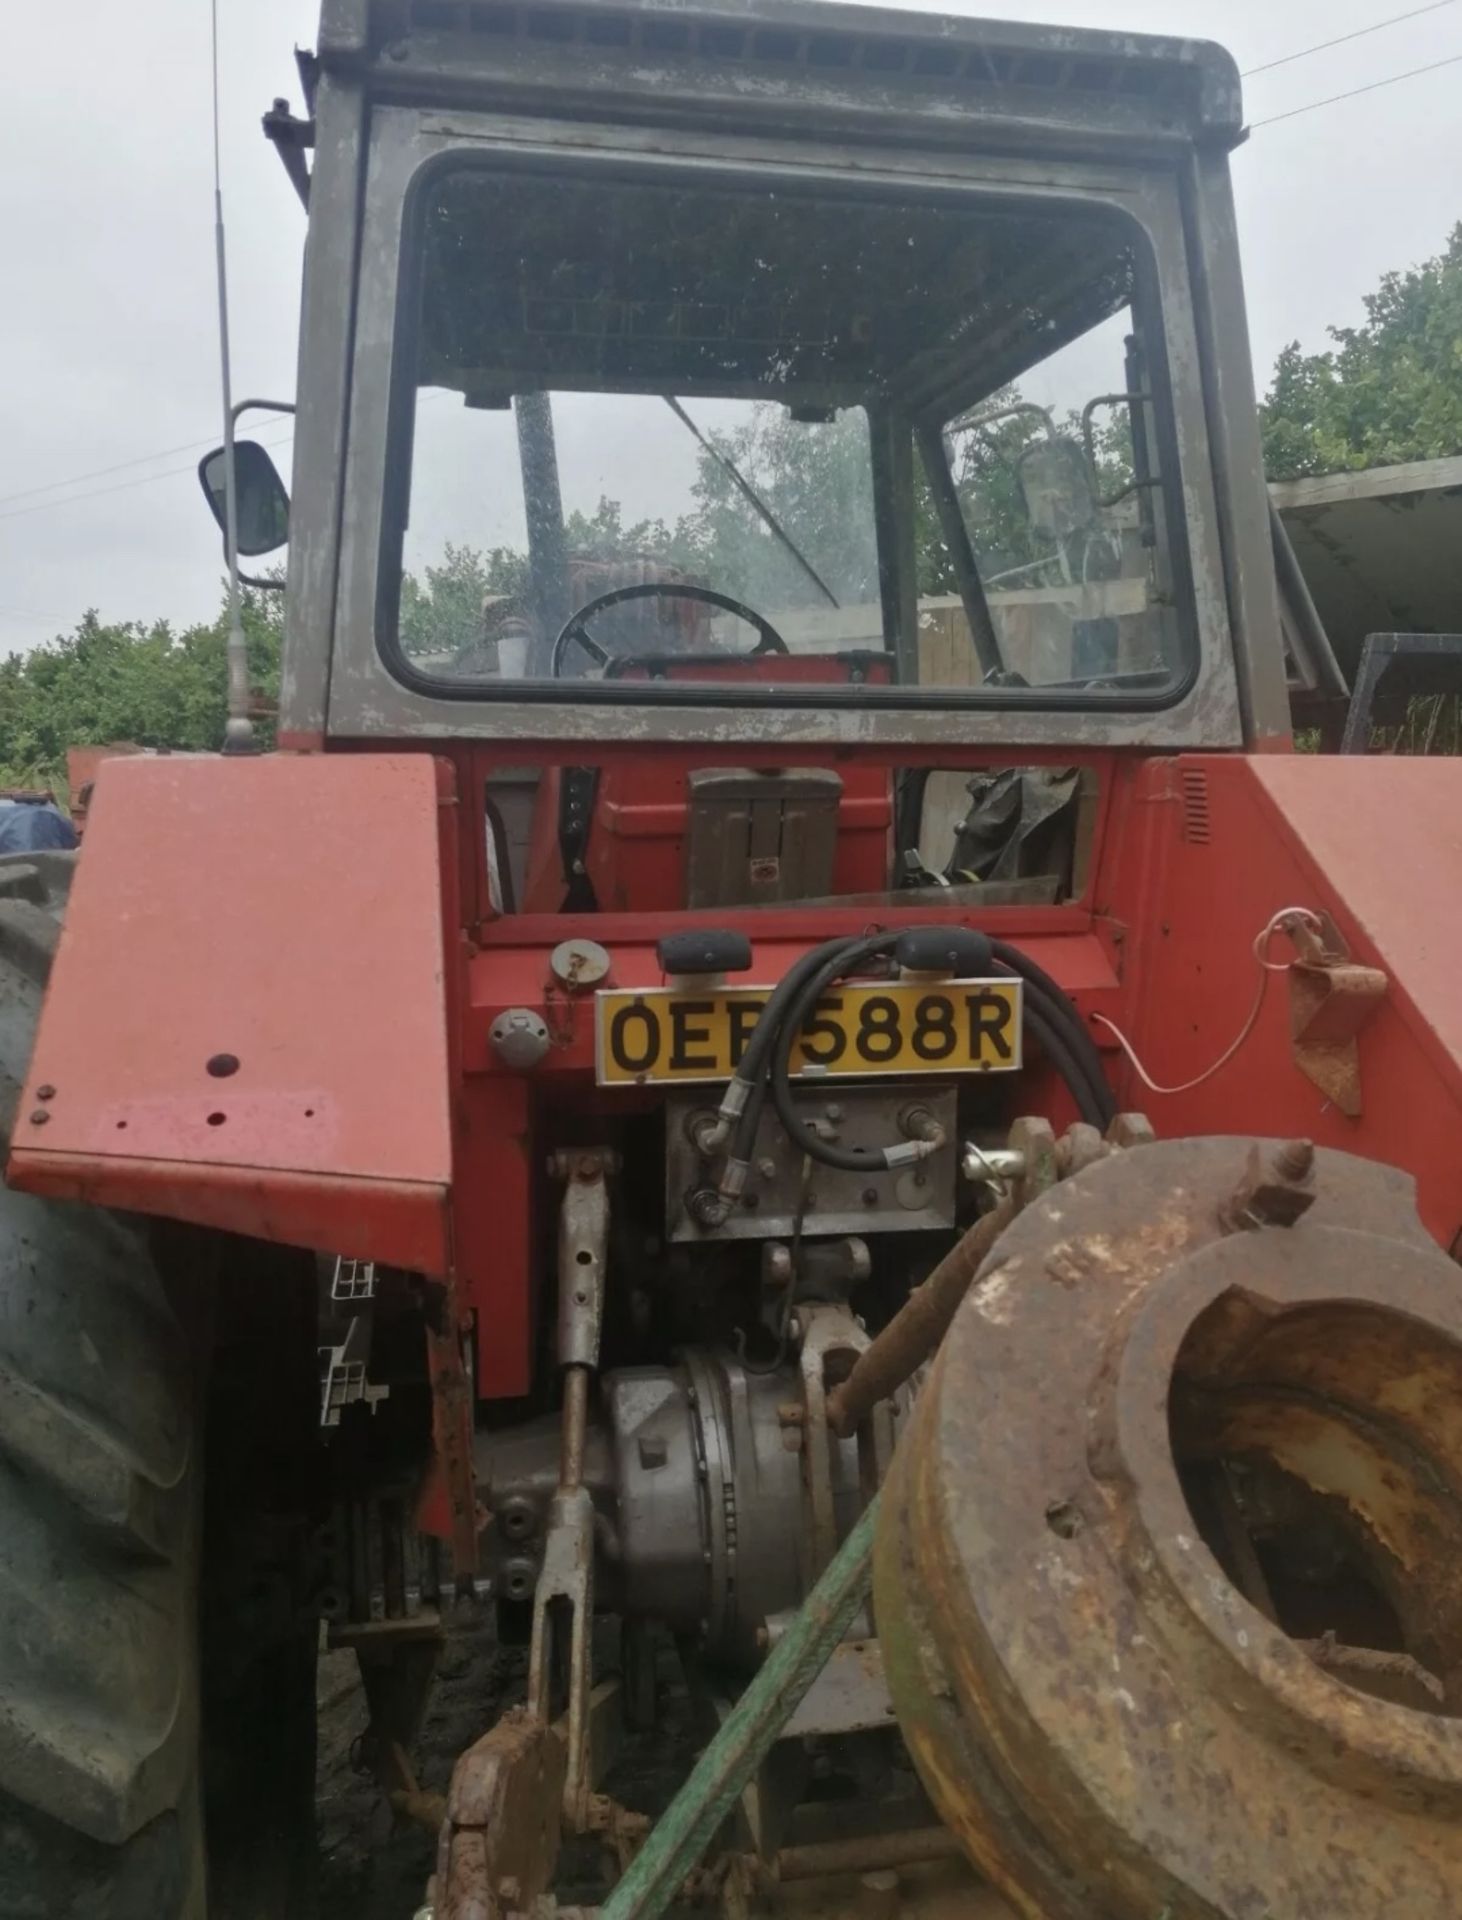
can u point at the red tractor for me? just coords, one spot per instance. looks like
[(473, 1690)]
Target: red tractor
[(511, 1146)]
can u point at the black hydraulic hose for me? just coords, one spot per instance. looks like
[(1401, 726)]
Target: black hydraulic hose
[(1050, 1018), (1060, 1005), (745, 1100), (1051, 991), (847, 1159), (1037, 977), (1047, 1029), (1053, 1044), (746, 1096), (769, 1022), (1050, 1023)]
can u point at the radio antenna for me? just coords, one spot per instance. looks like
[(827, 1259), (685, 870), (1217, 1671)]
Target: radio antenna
[(239, 732)]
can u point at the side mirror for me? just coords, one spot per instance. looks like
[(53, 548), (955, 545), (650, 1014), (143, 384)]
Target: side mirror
[(261, 501)]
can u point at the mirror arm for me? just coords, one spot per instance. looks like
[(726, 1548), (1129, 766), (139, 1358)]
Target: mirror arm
[(241, 407), (1111, 400), (976, 421), (291, 140)]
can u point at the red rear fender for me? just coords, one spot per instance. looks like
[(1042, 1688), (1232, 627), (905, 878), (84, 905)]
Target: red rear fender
[(246, 1026)]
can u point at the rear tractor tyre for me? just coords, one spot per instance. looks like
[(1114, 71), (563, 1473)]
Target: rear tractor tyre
[(101, 1521)]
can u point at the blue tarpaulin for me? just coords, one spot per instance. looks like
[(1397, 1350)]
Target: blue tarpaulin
[(25, 828)]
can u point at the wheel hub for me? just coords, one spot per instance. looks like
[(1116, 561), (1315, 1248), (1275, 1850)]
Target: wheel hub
[(1167, 1578)]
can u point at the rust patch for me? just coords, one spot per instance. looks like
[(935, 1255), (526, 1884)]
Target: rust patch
[(452, 1425), (498, 1845), (1167, 1572)]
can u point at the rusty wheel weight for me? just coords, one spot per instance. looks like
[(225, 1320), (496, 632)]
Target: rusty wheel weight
[(1168, 1578)]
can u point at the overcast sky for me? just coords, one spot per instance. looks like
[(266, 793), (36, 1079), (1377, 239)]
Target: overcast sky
[(107, 327)]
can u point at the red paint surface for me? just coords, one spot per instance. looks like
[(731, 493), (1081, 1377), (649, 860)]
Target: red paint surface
[(496, 1227), (513, 970), (636, 852), (285, 911), (326, 918), (1377, 843), (400, 1223), (638, 849)]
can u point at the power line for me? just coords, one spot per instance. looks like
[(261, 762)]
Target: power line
[(187, 446), (140, 460), (424, 396), (100, 473), (1340, 39), (122, 486), (1392, 80)]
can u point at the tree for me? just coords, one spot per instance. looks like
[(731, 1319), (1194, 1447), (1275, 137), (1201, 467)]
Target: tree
[(814, 479), (131, 681), (444, 607), (817, 482), (602, 535), (1388, 391)]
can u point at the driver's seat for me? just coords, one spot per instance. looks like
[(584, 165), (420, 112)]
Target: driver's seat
[(652, 837)]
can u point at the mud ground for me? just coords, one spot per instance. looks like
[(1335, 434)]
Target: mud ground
[(373, 1869), (370, 1870)]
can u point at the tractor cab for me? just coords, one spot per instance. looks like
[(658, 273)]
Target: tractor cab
[(843, 394)]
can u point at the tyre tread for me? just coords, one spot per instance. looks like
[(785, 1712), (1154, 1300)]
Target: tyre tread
[(99, 1511)]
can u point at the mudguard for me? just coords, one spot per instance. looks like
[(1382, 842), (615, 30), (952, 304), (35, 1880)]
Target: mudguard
[(1217, 844), (246, 1025)]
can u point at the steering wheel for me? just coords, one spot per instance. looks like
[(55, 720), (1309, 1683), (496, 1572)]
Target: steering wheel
[(576, 633)]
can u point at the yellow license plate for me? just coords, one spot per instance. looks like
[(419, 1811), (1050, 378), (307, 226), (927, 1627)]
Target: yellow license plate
[(667, 1034)]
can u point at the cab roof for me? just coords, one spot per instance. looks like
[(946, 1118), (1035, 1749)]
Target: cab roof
[(796, 65)]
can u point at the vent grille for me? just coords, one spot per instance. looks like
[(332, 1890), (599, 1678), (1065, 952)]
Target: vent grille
[(1197, 829), (827, 51)]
